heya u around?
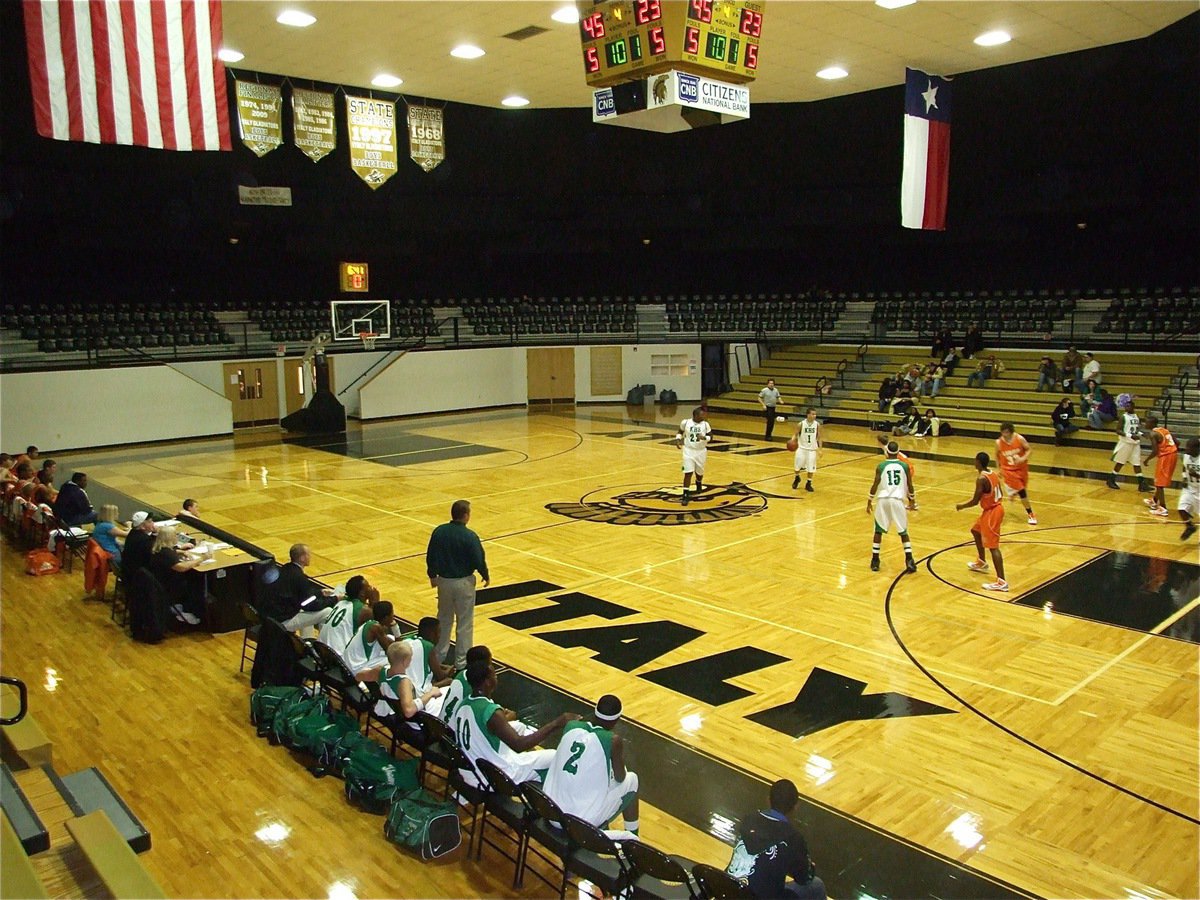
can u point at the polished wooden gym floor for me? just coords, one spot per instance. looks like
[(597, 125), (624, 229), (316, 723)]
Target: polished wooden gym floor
[(1042, 742)]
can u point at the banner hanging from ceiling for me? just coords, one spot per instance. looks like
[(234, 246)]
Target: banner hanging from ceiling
[(314, 123), (371, 125), (260, 116), (426, 136)]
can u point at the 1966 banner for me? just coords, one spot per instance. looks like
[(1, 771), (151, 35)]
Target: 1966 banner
[(372, 128), (315, 131), (426, 136), (260, 116)]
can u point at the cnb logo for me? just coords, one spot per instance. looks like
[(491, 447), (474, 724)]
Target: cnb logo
[(664, 505), (689, 88), (605, 105)]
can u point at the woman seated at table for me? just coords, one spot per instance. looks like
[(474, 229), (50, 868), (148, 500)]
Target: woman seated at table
[(185, 593), (108, 529)]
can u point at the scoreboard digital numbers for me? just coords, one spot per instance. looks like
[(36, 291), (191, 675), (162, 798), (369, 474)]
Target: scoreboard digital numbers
[(352, 278), (627, 39)]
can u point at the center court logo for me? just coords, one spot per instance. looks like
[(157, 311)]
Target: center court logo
[(664, 506)]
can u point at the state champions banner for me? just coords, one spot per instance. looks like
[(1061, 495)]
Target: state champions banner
[(314, 126), (260, 116), (426, 136), (372, 128)]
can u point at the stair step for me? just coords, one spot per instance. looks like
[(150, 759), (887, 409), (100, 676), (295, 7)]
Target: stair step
[(25, 822)]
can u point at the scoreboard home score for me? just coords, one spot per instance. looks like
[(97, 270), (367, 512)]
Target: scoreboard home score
[(628, 39)]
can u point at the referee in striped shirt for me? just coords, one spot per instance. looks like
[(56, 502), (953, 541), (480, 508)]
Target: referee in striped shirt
[(454, 555)]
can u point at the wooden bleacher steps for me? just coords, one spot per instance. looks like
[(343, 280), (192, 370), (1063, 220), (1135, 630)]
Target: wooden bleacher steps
[(18, 878), (20, 814), (110, 855)]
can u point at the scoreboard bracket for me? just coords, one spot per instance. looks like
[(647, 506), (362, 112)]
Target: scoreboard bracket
[(671, 101)]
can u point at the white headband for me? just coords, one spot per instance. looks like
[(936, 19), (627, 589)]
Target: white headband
[(603, 718)]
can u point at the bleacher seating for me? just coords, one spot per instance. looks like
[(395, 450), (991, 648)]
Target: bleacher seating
[(573, 316), (1158, 311), (752, 314), (1007, 311), (68, 327)]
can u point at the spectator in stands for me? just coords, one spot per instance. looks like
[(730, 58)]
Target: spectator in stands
[(985, 369), (490, 736), (973, 342), (185, 596), (108, 529), (7, 475), (927, 425), (939, 379), (30, 454), (1060, 418), (912, 375), (73, 506), (588, 777), (139, 544), (293, 601), (942, 342), (1047, 374), (1103, 411), (24, 474), (902, 402), (190, 508), (50, 469), (1091, 369), (1072, 367), (769, 849), (887, 391), (950, 360), (45, 492), (908, 422)]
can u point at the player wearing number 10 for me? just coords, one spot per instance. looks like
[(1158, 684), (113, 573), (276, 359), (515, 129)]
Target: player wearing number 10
[(484, 732), (891, 488), (588, 778)]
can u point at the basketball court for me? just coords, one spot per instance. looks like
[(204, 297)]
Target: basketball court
[(946, 741)]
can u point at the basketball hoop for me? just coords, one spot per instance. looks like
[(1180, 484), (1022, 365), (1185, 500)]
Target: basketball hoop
[(368, 338)]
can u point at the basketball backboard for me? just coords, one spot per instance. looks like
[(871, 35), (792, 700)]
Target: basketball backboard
[(353, 317)]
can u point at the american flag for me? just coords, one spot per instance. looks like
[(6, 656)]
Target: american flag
[(140, 72), (925, 183)]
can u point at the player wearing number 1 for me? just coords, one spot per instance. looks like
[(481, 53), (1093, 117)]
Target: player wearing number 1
[(484, 732), (808, 442), (891, 489), (588, 778), (694, 435)]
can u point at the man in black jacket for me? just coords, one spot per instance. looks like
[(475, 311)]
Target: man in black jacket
[(73, 506), (294, 601), (1060, 418), (769, 849), (138, 546)]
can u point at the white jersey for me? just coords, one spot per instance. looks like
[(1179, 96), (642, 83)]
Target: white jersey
[(893, 480), (419, 670), (807, 434), (339, 627), (470, 725), (1191, 472), (362, 654), (1130, 428), (695, 435), (453, 694), (581, 775)]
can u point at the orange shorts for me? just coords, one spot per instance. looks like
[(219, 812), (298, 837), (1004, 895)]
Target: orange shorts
[(1016, 479), (988, 526), (1165, 470)]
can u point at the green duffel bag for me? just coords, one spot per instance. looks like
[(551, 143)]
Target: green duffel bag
[(266, 701), (283, 728), (422, 823), (322, 736), (373, 777)]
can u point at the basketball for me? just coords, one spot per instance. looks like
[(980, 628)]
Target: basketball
[(792, 444)]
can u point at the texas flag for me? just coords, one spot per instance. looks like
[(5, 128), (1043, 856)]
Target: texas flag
[(925, 183)]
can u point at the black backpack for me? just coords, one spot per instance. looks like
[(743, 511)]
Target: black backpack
[(147, 608)]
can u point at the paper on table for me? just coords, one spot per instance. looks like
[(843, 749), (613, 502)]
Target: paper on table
[(219, 545), (167, 523)]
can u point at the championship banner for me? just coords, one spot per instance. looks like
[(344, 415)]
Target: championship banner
[(313, 125), (260, 116), (372, 127), (426, 136)]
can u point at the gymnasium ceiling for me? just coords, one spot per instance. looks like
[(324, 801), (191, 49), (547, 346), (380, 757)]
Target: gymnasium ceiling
[(354, 40)]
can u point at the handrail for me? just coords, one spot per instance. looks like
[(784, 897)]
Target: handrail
[(861, 354), (22, 700), (1166, 410), (842, 366), (820, 389)]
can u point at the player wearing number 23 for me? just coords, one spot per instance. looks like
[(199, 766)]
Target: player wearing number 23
[(694, 435), (484, 732)]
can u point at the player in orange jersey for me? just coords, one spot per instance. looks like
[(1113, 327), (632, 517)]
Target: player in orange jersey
[(986, 529), (1012, 450), (1167, 452)]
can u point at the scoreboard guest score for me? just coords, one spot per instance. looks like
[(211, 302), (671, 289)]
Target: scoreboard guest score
[(628, 39), (352, 277)]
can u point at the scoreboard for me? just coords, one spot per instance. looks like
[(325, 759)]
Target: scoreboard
[(352, 277), (628, 39)]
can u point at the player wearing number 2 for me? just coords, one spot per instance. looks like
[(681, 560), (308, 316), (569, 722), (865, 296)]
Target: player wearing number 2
[(588, 778), (694, 435), (891, 489), (808, 442)]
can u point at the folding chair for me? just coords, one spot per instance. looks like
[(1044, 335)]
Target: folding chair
[(503, 802), (657, 875), (471, 797), (596, 857), (337, 680), (549, 830), (717, 884), (438, 737), (250, 635)]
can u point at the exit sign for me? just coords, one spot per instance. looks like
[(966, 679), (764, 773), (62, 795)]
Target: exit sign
[(353, 277)]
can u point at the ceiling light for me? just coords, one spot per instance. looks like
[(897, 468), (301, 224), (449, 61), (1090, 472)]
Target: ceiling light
[(387, 81), (568, 15), (467, 51), (229, 55), (295, 18), (894, 4), (832, 73), (515, 100), (993, 38)]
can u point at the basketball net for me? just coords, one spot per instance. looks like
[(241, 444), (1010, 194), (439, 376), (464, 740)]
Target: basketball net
[(368, 338)]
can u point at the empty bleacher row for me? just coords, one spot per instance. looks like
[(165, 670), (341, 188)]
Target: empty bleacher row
[(67, 327), (1007, 311), (527, 316), (753, 314), (1143, 311), (298, 320)]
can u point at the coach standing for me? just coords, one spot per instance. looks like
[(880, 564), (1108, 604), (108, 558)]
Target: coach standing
[(769, 397), (455, 554)]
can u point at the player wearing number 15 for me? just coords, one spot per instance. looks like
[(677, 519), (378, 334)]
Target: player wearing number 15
[(588, 778), (484, 732), (890, 491)]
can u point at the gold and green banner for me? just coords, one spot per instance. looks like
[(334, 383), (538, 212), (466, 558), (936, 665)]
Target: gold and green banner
[(371, 125), (260, 116), (426, 136), (313, 126)]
